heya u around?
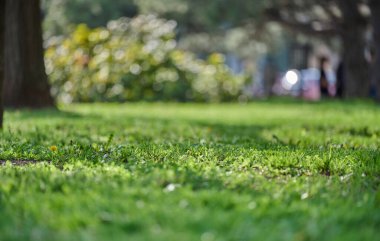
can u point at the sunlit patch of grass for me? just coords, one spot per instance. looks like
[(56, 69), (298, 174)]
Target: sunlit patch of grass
[(261, 171)]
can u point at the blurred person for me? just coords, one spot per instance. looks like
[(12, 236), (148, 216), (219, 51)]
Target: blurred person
[(323, 81), (310, 84)]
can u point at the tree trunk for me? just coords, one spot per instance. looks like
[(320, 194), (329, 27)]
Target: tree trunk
[(26, 82), (375, 11), (2, 47), (356, 68)]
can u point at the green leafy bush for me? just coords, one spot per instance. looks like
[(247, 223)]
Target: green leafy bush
[(135, 59)]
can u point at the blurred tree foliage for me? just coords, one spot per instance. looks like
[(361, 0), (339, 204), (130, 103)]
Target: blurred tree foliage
[(135, 59), (345, 20), (61, 14), (233, 25), (206, 16), (202, 25), (193, 15)]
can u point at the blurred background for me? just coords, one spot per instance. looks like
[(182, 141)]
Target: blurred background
[(190, 50)]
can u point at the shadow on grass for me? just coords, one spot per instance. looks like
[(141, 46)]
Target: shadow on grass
[(49, 113)]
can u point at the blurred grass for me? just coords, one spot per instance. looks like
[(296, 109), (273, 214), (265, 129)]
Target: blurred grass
[(278, 170)]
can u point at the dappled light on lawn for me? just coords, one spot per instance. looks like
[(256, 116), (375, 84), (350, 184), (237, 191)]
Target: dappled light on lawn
[(271, 170)]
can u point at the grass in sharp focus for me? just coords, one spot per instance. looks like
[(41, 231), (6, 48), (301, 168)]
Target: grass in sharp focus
[(261, 171)]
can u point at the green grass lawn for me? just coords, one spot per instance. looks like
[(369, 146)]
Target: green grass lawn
[(261, 171)]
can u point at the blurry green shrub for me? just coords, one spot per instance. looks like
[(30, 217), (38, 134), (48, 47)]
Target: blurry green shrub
[(135, 59)]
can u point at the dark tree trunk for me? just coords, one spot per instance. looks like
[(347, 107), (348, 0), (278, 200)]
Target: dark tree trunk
[(356, 68), (2, 47), (26, 82), (375, 10)]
